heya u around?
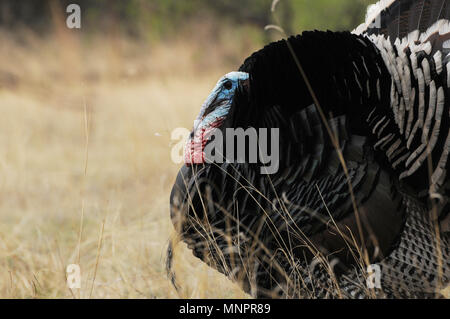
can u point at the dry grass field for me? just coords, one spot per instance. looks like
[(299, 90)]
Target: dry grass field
[(85, 169)]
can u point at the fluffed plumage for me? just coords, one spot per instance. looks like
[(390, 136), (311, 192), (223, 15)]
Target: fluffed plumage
[(362, 174)]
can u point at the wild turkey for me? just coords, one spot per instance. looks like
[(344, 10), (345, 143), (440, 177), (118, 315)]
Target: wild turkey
[(364, 139)]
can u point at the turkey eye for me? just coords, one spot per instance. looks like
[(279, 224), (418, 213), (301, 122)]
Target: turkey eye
[(228, 85)]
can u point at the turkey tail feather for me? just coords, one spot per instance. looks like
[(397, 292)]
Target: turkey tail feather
[(413, 37), (398, 18)]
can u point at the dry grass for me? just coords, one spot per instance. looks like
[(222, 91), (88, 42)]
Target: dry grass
[(85, 168), (131, 97)]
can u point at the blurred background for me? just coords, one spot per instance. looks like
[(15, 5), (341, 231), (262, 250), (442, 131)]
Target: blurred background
[(85, 133)]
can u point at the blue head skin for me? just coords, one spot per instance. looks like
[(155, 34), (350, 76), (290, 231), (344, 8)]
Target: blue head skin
[(219, 100), (212, 113)]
